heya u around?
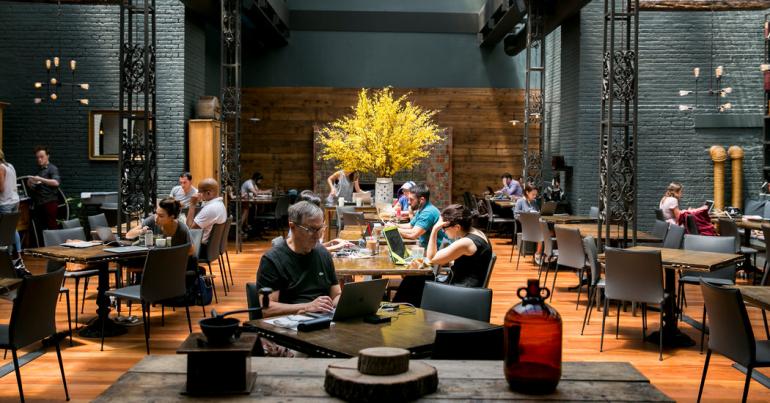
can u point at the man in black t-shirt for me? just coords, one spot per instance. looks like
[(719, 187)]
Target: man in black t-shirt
[(299, 269)]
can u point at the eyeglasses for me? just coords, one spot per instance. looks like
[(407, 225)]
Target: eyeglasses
[(311, 231)]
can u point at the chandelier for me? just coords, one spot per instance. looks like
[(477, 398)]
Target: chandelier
[(715, 88), (54, 85)]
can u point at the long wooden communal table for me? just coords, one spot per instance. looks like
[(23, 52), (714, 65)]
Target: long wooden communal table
[(567, 219), (616, 233), (758, 296), (411, 329), (375, 266), (162, 377), (681, 259), (747, 225), (94, 254)]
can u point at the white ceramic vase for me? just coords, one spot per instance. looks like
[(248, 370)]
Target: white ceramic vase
[(383, 191)]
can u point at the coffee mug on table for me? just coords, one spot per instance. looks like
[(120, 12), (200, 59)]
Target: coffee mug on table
[(160, 242), (341, 201), (359, 202)]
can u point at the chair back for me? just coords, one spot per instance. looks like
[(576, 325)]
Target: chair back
[(340, 211), (766, 234), (468, 201), (353, 218), (471, 303), (33, 316), (6, 266), (730, 332), (282, 207), (571, 251), (692, 225), (728, 228), (673, 238), (547, 240), (53, 237), (252, 300), (703, 243), (97, 221), (593, 212), (592, 258), (491, 267), (196, 236), (8, 228), (164, 273), (215, 238), (482, 344), (490, 212), (635, 276), (73, 223), (660, 229), (766, 210), (530, 227), (659, 215), (225, 239)]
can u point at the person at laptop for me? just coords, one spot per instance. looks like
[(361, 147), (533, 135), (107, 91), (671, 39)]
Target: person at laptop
[(526, 204), (511, 187), (299, 269), (470, 249), (669, 204), (425, 217)]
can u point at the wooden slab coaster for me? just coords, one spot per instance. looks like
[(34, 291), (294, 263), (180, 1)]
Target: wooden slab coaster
[(383, 361), (345, 381)]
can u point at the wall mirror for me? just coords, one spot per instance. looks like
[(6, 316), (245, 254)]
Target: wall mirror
[(103, 138)]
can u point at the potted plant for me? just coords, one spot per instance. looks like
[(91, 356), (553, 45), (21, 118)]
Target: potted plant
[(382, 135)]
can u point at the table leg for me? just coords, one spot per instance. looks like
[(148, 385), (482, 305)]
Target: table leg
[(672, 336), (94, 329)]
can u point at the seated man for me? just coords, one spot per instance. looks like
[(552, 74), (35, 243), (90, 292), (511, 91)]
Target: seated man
[(425, 217), (212, 212), (299, 269), (184, 191), (511, 187)]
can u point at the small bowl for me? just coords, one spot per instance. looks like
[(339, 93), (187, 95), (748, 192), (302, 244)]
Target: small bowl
[(219, 331)]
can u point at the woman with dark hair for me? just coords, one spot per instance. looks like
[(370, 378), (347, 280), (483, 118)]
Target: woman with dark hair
[(526, 204), (347, 183), (165, 221), (470, 251)]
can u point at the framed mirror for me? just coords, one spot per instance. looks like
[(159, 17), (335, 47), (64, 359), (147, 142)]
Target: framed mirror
[(103, 138)]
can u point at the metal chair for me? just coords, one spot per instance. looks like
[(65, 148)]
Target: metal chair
[(163, 279), (340, 211), (33, 318), (491, 267), (471, 303), (353, 218), (223, 243), (483, 344), (728, 228), (597, 282), (212, 253), (530, 232), (571, 254), (73, 223), (277, 215), (97, 221), (723, 276), (635, 276), (493, 218), (659, 229), (674, 236), (731, 334), (659, 215), (549, 252)]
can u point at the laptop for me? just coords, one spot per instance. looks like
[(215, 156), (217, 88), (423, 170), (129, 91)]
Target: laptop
[(366, 197), (358, 299), (710, 204), (126, 249), (549, 208), (396, 247)]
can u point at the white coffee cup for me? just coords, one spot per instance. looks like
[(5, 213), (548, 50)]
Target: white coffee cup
[(341, 201), (359, 202), (160, 242)]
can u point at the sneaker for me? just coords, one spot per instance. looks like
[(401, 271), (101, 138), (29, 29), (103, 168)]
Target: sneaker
[(539, 259)]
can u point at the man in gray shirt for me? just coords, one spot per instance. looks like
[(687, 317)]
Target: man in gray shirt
[(184, 191)]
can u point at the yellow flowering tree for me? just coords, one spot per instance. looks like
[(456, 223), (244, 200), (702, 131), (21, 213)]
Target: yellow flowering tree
[(383, 135)]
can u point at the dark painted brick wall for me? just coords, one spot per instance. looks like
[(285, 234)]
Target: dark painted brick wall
[(670, 147), (29, 34)]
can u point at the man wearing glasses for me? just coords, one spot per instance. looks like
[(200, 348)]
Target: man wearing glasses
[(212, 212), (299, 268)]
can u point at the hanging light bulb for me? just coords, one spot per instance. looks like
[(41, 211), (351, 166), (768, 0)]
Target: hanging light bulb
[(696, 72), (38, 100), (54, 96), (48, 64), (725, 107), (84, 86), (719, 71), (513, 122), (56, 61), (53, 81), (73, 63), (685, 108), (684, 93), (38, 85), (83, 101), (727, 90)]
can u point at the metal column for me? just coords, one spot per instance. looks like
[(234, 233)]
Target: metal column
[(230, 86), (534, 100), (619, 132), (137, 165)]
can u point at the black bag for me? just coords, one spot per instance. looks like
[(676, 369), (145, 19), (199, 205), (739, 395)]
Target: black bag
[(203, 290)]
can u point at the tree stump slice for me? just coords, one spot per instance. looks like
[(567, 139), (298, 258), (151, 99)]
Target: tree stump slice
[(343, 380), (383, 361)]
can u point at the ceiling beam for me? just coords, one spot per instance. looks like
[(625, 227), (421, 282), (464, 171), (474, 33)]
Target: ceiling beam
[(703, 5)]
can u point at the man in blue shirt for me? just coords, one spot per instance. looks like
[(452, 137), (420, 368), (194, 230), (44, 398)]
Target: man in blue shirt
[(511, 187), (425, 217)]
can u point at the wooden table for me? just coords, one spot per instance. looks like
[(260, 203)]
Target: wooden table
[(747, 225), (331, 211), (758, 296), (94, 254), (8, 284), (567, 219), (376, 266), (616, 233), (412, 331), (673, 260), (161, 377), (504, 203)]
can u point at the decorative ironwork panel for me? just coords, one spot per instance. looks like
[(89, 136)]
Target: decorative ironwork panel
[(624, 78), (230, 84), (137, 164), (534, 98)]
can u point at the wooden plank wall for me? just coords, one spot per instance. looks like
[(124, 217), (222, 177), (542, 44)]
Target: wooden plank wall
[(280, 145)]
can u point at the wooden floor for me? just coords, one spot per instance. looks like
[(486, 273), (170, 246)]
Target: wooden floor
[(90, 371)]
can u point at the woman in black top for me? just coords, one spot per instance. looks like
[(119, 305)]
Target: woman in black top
[(470, 250)]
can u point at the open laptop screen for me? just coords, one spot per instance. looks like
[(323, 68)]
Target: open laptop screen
[(395, 242)]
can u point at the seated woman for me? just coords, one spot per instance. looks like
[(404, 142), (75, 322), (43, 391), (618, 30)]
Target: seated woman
[(470, 251), (527, 204), (250, 188), (669, 204), (165, 222)]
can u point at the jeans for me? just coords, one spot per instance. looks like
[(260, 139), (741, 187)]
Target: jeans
[(7, 209)]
